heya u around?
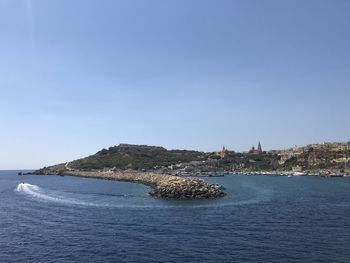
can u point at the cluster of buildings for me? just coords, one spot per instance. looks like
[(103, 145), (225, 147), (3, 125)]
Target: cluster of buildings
[(258, 150), (325, 146), (253, 150), (324, 158)]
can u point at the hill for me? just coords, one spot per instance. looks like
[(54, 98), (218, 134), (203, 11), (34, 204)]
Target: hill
[(315, 158), (135, 157)]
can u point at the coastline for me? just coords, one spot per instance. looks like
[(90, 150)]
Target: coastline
[(173, 186), (265, 173), (290, 173), (163, 186)]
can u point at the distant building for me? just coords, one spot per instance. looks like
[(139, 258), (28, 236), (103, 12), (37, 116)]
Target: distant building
[(256, 151), (297, 168), (222, 153), (259, 147)]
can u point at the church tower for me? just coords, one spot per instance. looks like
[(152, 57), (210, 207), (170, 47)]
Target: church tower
[(259, 148), (223, 152)]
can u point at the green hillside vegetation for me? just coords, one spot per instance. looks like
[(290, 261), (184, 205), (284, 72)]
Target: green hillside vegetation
[(126, 156), (330, 157)]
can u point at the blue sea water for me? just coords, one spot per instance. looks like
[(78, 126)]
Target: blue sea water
[(262, 219)]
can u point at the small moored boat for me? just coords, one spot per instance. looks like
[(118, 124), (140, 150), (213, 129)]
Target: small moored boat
[(219, 186)]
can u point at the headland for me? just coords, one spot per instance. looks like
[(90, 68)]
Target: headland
[(167, 172), (163, 186)]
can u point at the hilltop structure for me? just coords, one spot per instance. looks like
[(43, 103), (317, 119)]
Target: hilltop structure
[(256, 151), (222, 153), (259, 147), (325, 158)]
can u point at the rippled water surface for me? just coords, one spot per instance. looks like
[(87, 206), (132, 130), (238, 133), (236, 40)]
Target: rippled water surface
[(262, 219)]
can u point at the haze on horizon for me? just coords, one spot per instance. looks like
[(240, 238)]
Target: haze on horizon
[(78, 76)]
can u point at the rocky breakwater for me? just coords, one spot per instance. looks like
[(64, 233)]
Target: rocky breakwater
[(185, 188), (163, 186)]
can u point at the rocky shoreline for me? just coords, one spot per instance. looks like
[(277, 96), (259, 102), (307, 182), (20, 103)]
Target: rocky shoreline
[(163, 186), (290, 173)]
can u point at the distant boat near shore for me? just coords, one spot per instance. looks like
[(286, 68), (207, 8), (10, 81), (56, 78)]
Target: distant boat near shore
[(211, 175), (298, 174), (219, 186)]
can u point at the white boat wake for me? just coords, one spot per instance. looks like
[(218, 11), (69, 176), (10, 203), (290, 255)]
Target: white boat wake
[(37, 193)]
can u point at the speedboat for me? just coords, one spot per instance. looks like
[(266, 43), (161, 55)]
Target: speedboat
[(219, 186), (298, 174)]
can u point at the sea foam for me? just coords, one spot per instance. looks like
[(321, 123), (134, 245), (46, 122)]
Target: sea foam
[(40, 194)]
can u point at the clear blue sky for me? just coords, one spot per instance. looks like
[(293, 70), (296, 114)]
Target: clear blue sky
[(78, 76)]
